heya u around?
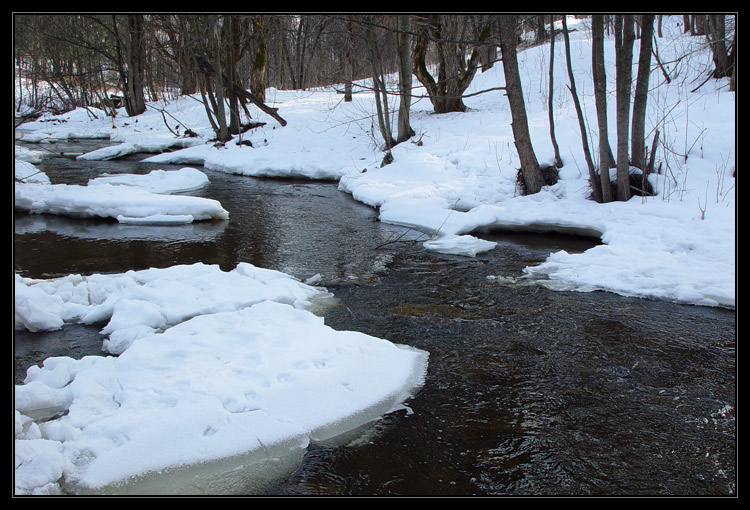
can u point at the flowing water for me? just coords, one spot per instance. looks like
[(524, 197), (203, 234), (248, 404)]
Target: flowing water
[(528, 391)]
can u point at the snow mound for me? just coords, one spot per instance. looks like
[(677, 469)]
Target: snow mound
[(123, 149), (220, 387), (110, 201), (157, 181)]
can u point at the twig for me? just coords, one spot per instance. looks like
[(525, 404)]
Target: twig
[(398, 238), (163, 115), (703, 83), (705, 204)]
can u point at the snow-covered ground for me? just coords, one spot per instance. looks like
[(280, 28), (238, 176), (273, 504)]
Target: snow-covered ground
[(679, 245)]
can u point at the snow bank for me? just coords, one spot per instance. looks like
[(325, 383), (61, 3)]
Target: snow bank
[(324, 139), (150, 145), (157, 181), (28, 155), (679, 245), (25, 171), (222, 381), (109, 201), (128, 198), (235, 159), (202, 362), (137, 303)]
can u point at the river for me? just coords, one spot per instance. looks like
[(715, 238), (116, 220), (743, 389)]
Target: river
[(529, 391)]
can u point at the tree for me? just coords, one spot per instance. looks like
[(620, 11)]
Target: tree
[(593, 179), (404, 78), (130, 43), (550, 103), (347, 61), (258, 69), (606, 160), (373, 45), (624, 38), (640, 99), (213, 82), (454, 72), (79, 53), (717, 38), (177, 49), (218, 43), (530, 171), (385, 37)]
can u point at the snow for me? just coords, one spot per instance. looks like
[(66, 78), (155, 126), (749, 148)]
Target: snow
[(158, 181), (209, 366), (128, 198), (198, 363), (134, 147), (114, 201), (25, 171)]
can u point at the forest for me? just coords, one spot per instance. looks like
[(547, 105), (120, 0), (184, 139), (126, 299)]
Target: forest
[(70, 61)]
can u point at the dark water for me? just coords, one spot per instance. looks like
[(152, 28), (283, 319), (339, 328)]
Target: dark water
[(529, 391)]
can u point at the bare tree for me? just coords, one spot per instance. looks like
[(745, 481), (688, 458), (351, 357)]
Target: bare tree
[(606, 160), (177, 49), (131, 55), (640, 99), (213, 82), (450, 35), (530, 171), (76, 51), (373, 45), (387, 41), (593, 179), (405, 130), (260, 57), (348, 67), (550, 103), (624, 38), (717, 38)]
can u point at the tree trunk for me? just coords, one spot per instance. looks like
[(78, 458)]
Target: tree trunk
[(717, 37), (379, 88), (541, 34), (638, 129), (454, 72), (606, 160), (258, 71), (177, 30), (532, 175), (131, 70), (699, 22), (404, 78), (624, 38), (593, 179), (348, 66), (229, 34), (558, 161)]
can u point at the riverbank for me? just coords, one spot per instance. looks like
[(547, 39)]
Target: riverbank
[(679, 245)]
